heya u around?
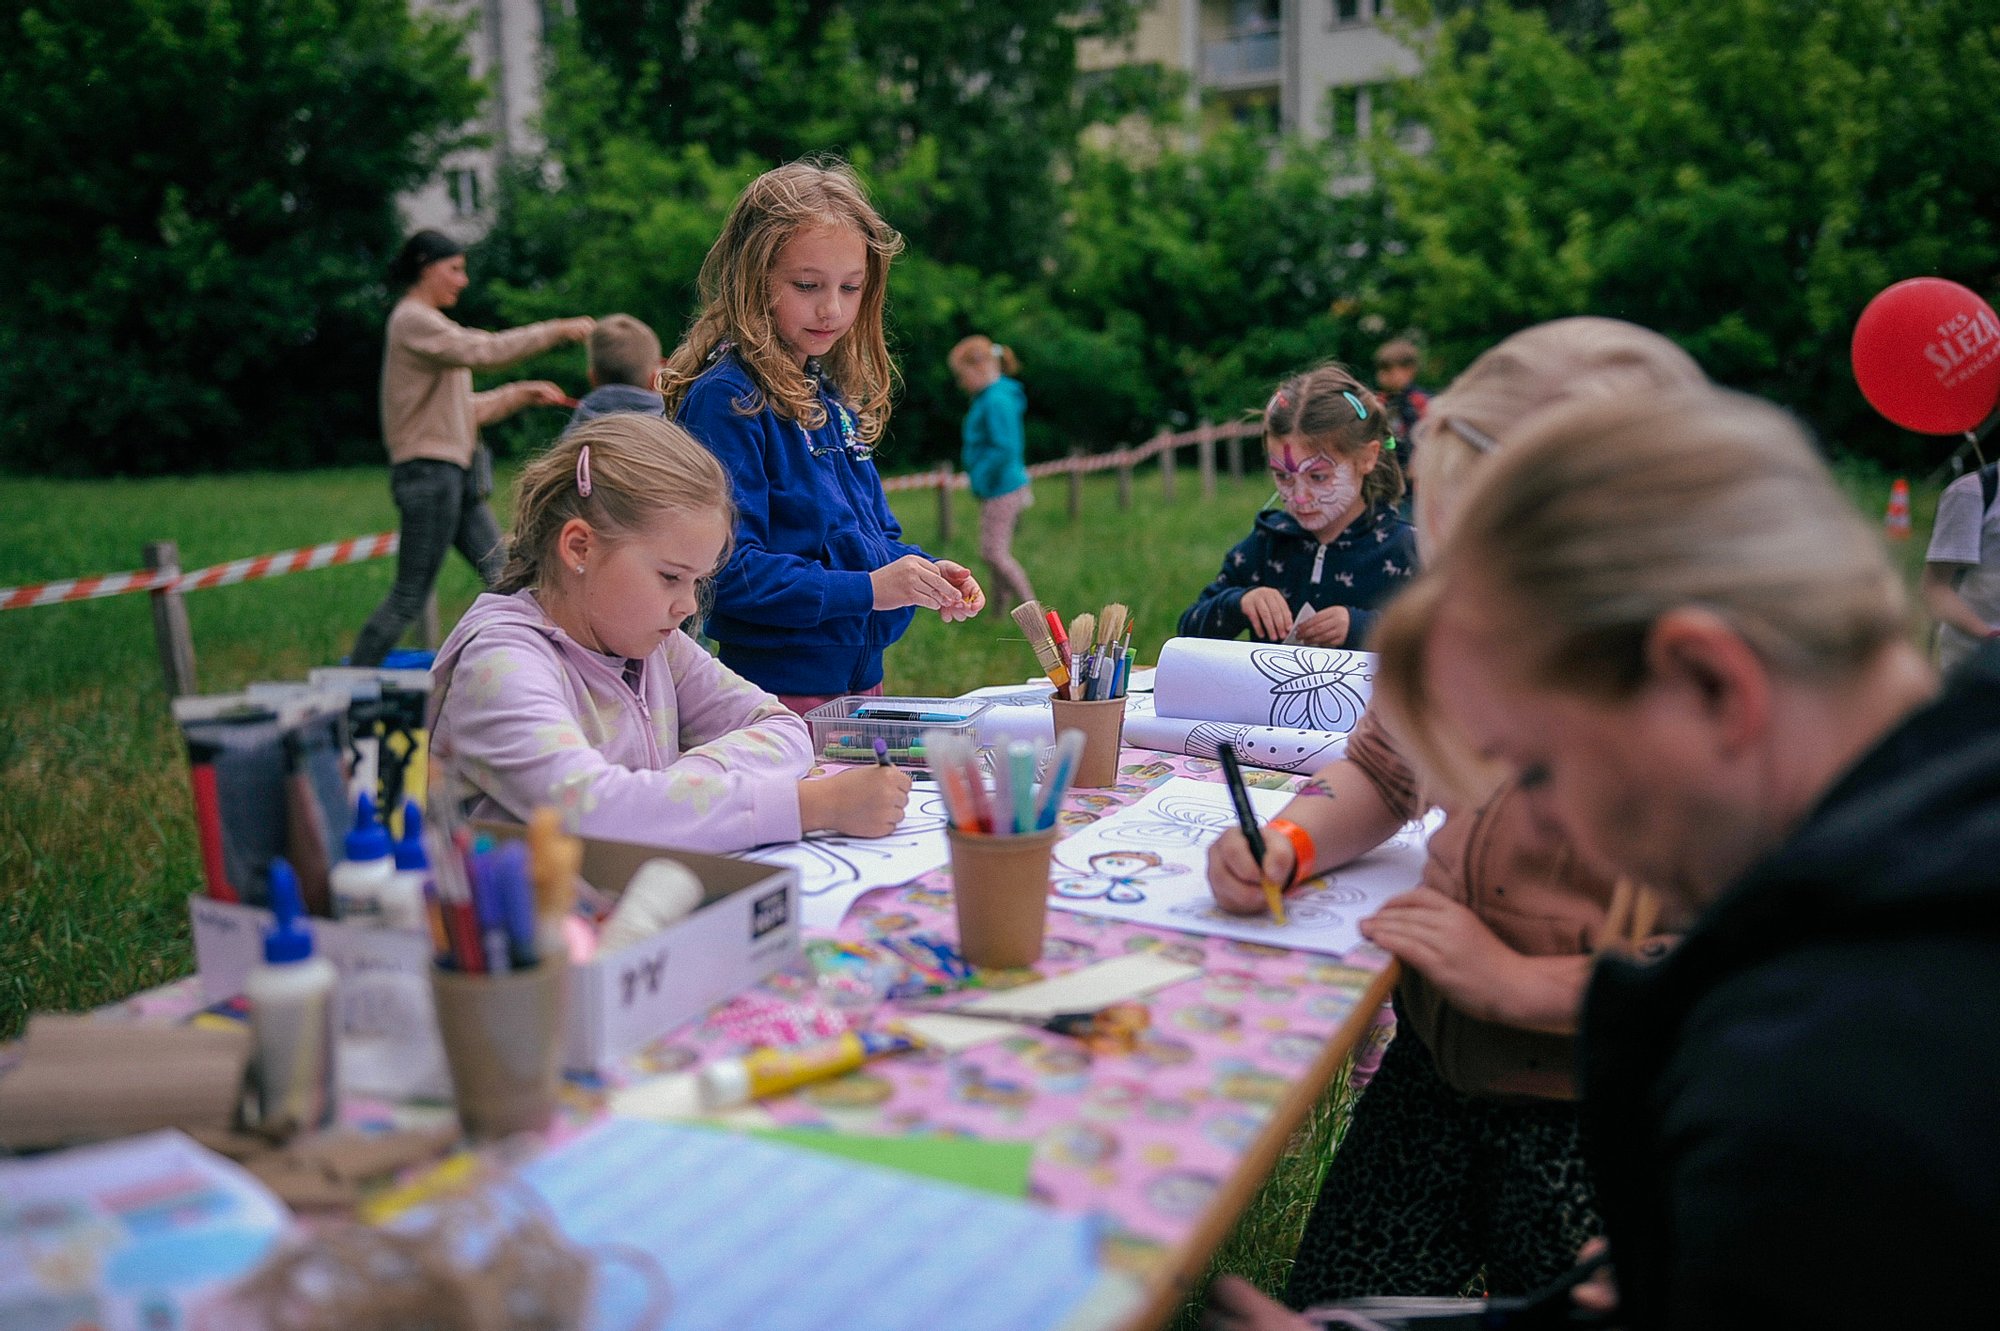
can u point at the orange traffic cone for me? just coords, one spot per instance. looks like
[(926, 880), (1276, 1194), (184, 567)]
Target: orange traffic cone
[(1896, 522)]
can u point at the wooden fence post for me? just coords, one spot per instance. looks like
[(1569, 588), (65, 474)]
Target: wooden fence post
[(170, 622), (944, 505), (1075, 484), (1204, 457), (1125, 478), (1167, 473), (428, 622), (1233, 447)]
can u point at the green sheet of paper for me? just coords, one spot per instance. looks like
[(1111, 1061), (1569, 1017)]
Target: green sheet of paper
[(997, 1167)]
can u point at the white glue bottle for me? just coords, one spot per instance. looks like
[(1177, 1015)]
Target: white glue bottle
[(401, 895), (365, 867), (291, 1015)]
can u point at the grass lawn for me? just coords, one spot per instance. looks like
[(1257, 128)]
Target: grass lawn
[(97, 841)]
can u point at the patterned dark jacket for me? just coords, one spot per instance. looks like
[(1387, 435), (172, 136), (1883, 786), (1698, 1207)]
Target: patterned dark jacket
[(1360, 569)]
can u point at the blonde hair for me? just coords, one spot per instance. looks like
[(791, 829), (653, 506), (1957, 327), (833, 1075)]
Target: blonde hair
[(980, 349), (623, 350), (1537, 370), (1610, 513), (640, 467), (737, 299), (1335, 414)]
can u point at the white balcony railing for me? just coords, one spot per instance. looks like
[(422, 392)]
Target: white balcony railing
[(1239, 60)]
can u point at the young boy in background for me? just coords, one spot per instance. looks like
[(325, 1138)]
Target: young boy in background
[(624, 371)]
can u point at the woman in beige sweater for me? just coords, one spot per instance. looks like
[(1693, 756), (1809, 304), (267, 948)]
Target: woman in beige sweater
[(430, 423)]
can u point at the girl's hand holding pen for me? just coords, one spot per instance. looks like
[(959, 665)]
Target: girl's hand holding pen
[(1234, 877), (862, 801), (914, 580)]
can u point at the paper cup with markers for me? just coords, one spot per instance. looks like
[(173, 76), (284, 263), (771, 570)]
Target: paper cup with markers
[(503, 1039), (1003, 828)]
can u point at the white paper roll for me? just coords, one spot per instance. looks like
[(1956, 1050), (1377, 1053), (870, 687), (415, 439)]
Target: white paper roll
[(1275, 747), (1263, 684)]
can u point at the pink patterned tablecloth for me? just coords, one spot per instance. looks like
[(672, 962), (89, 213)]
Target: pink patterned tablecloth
[(1149, 1141)]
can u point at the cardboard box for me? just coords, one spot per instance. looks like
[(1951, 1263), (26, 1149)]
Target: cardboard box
[(746, 927)]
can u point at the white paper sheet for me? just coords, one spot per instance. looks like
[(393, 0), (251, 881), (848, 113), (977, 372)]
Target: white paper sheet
[(1261, 684), (1274, 747), (837, 871), (1149, 864)]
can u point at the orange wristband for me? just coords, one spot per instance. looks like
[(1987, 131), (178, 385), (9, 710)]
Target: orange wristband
[(1302, 844)]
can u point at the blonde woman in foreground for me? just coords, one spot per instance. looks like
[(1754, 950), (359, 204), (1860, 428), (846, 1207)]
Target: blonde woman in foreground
[(1463, 1158), (1666, 610)]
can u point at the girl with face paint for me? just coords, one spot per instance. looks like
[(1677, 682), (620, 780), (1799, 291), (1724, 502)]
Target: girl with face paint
[(1318, 564)]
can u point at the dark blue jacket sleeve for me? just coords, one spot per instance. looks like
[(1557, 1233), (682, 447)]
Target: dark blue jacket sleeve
[(761, 584), (1401, 553), (1218, 611)]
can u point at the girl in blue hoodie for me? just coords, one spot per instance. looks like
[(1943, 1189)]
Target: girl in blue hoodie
[(785, 376), (995, 457), (1316, 570)]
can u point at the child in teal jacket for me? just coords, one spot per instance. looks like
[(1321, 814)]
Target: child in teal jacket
[(995, 458)]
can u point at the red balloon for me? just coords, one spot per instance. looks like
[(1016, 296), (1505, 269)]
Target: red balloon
[(1927, 356)]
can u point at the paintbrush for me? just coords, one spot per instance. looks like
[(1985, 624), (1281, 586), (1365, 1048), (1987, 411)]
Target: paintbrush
[(1111, 624), (1081, 630), (1034, 622)]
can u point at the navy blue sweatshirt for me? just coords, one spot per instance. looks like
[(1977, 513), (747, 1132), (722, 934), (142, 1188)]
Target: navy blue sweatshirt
[(1360, 569), (794, 605)]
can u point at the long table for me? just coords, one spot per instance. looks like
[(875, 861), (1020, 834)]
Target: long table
[(1166, 1145)]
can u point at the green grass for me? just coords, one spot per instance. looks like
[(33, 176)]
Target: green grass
[(97, 843)]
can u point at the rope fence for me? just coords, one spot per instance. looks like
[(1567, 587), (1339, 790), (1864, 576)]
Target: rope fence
[(165, 581)]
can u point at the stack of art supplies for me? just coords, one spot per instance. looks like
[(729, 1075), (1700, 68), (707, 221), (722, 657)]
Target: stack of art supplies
[(1091, 660)]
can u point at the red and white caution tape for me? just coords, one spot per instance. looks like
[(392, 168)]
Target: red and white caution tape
[(353, 550)]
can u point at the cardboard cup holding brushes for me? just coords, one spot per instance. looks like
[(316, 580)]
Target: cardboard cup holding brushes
[(1103, 726), (1000, 890), (503, 1037)]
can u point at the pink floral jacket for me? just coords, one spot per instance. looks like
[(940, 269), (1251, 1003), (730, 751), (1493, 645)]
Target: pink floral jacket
[(688, 754)]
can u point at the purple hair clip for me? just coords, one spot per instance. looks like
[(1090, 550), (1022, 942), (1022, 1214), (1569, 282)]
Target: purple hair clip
[(583, 471), (1278, 399)]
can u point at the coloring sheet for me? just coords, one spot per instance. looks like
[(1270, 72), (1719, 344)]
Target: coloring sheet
[(836, 871), (1149, 864), (1263, 684), (1274, 747)]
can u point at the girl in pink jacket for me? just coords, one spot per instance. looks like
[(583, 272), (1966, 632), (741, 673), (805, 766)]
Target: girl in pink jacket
[(571, 684)]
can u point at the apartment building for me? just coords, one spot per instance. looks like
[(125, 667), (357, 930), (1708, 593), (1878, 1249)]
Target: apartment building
[(505, 47), (1314, 67)]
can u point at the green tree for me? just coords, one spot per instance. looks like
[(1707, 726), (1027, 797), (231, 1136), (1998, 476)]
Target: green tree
[(1742, 175), (994, 87), (197, 202)]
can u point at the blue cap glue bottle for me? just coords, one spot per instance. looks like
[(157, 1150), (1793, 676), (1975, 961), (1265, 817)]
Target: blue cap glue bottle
[(291, 1015)]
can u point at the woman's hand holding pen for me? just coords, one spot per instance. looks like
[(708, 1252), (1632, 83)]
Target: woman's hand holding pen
[(971, 599), (1236, 880), (1269, 615), (914, 580), (862, 801)]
